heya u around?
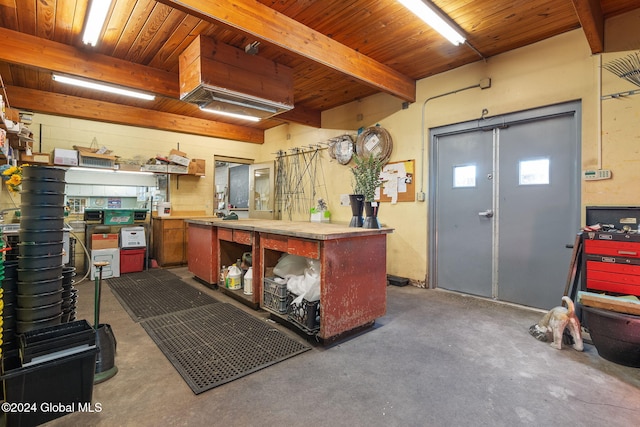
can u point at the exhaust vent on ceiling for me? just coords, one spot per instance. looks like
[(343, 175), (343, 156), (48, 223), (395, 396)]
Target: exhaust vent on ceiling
[(220, 77)]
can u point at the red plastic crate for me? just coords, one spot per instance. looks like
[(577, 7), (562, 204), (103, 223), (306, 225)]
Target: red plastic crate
[(131, 260)]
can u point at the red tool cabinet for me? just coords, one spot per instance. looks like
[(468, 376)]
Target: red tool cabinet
[(612, 262)]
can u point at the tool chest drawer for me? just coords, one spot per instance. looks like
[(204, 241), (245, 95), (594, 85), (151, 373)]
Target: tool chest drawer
[(612, 248), (612, 263)]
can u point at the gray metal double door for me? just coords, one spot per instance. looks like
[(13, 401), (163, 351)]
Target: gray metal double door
[(506, 205)]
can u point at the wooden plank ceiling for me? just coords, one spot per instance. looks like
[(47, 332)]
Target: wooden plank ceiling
[(339, 50)]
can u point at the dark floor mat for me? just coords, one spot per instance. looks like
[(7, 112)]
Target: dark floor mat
[(218, 343), (154, 293)]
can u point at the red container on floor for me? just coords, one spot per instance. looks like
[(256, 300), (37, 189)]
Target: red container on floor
[(131, 260)]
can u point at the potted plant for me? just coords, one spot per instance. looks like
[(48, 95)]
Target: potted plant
[(366, 180), (321, 212)]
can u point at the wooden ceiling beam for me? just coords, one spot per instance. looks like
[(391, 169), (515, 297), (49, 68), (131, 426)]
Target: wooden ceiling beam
[(592, 21), (260, 21), (301, 115), (83, 108), (31, 51), (34, 52)]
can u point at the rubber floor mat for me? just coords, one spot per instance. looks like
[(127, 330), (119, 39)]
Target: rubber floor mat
[(218, 343), (154, 293)]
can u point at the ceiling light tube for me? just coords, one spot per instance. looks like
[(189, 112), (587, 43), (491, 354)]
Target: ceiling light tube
[(426, 12), (95, 21), (234, 115), (108, 170), (102, 87)]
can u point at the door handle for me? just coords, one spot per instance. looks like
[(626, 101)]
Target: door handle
[(487, 214)]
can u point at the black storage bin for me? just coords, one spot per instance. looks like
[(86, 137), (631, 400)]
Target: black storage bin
[(43, 341), (619, 216), (53, 389), (397, 281), (305, 315)]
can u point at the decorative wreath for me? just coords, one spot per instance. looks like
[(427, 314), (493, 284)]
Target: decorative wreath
[(375, 140), (341, 148)]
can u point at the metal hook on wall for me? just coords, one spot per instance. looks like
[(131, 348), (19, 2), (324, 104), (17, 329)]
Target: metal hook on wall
[(484, 113)]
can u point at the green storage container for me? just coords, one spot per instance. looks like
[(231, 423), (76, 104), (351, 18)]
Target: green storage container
[(118, 217)]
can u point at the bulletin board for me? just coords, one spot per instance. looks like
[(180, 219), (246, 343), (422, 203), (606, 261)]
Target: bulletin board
[(406, 183)]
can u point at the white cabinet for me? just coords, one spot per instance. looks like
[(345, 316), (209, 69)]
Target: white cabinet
[(98, 190), (88, 190)]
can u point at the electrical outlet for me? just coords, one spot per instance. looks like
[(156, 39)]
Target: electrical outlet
[(344, 200)]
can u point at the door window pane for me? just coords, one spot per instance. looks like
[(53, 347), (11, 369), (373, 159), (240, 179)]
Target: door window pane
[(76, 205), (534, 172), (261, 181), (464, 176)]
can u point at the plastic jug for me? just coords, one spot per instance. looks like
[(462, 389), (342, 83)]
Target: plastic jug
[(248, 282), (234, 277)]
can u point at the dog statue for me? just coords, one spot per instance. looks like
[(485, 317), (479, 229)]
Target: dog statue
[(554, 323)]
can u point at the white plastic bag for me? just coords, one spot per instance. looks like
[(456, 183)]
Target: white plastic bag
[(290, 265), (307, 285)]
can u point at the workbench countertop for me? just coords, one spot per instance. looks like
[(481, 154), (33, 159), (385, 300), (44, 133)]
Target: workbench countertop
[(302, 229)]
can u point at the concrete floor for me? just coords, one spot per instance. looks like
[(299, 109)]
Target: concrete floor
[(435, 359)]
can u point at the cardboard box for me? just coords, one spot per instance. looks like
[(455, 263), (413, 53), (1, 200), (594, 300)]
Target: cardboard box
[(104, 241), (12, 114), (182, 161), (132, 237), (155, 168), (12, 126), (96, 160), (42, 158), (127, 167), (112, 256), (178, 153), (65, 157), (197, 167), (177, 169)]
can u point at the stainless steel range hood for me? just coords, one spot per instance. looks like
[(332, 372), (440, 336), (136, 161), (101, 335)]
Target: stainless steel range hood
[(223, 78)]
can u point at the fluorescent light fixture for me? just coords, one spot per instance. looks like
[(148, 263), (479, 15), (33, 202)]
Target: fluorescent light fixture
[(228, 114), (95, 21), (425, 11), (108, 170), (81, 169), (102, 87)]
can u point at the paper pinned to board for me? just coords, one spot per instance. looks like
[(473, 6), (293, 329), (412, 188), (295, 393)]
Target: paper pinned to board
[(395, 180)]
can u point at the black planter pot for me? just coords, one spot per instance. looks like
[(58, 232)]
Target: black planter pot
[(357, 206), (32, 249), (43, 173), (371, 211), (31, 184), (616, 336), (105, 359), (40, 198)]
